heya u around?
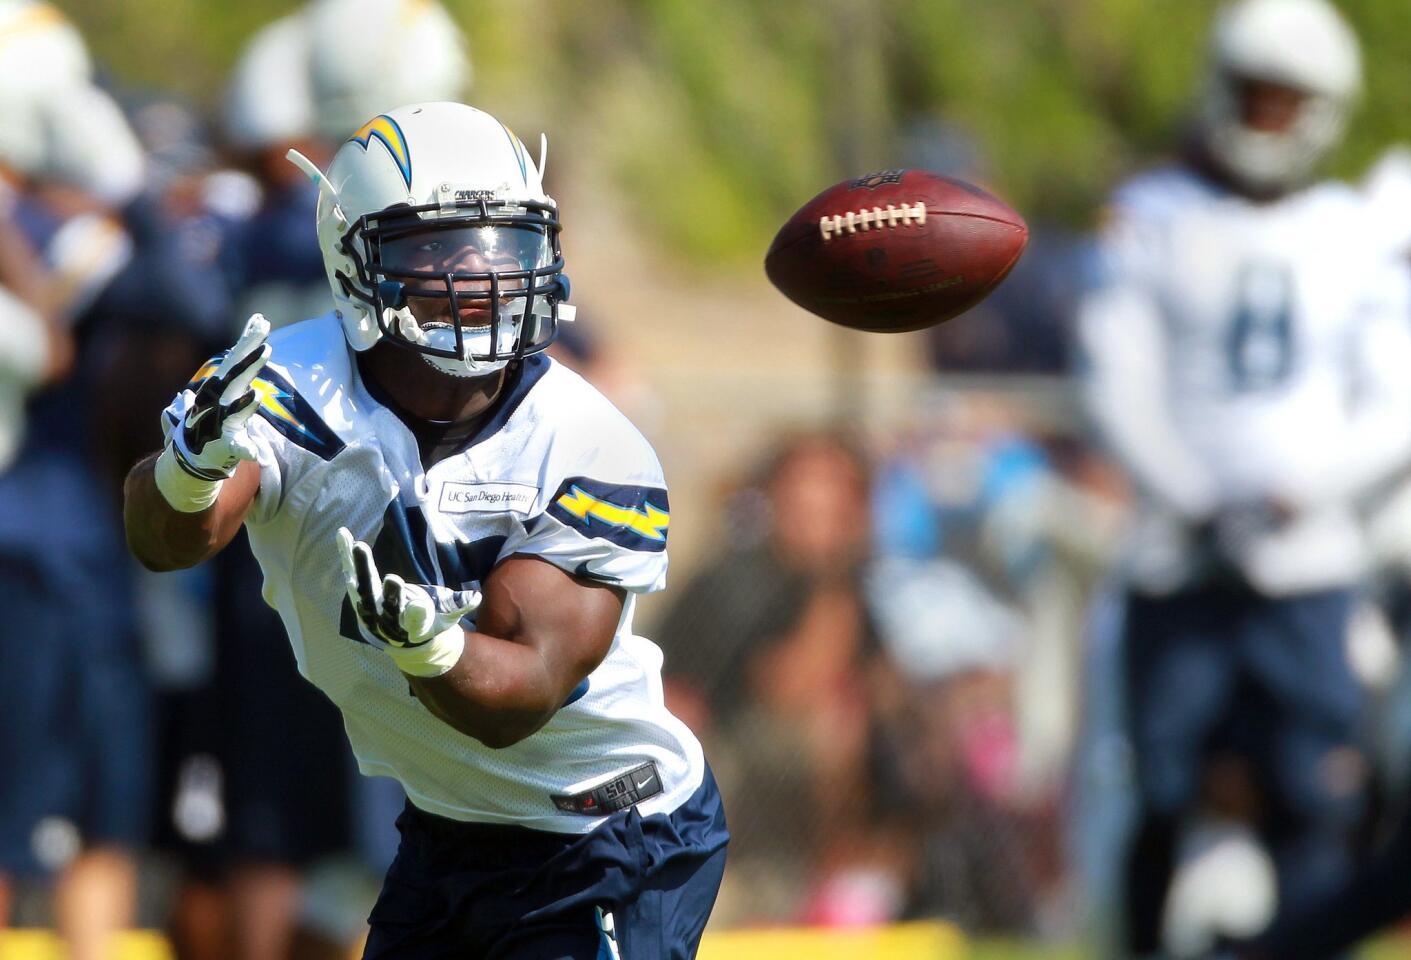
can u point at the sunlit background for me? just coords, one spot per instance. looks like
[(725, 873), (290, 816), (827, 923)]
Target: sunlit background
[(889, 607)]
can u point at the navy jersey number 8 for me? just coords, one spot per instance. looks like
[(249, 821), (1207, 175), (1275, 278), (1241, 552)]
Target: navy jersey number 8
[(1260, 340)]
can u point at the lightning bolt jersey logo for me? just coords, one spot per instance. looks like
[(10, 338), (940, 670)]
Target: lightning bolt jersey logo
[(383, 128), (633, 517), (285, 410)]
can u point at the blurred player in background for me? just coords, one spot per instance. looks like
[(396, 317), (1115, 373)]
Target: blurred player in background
[(1380, 892), (303, 82), (750, 642), (399, 455), (65, 808), (1247, 345), (35, 350), (75, 747)]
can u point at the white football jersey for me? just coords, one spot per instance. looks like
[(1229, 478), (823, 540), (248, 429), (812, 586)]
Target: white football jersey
[(1239, 351), (558, 473)]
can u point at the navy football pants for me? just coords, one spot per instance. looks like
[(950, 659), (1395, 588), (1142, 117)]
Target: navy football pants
[(638, 888), (1268, 676)]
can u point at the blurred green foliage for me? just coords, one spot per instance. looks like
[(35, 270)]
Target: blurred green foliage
[(717, 119)]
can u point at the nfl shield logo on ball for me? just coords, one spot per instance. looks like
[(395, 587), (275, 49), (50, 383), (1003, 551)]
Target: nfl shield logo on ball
[(874, 180)]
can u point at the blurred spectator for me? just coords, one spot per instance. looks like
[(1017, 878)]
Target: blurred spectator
[(994, 528), (867, 708), (768, 656), (948, 747), (1030, 513), (1246, 344)]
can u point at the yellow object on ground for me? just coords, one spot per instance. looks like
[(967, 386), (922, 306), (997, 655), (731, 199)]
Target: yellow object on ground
[(911, 941), (44, 945), (906, 941)]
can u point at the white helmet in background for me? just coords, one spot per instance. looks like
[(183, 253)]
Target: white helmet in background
[(440, 203), (1302, 44), (54, 122), (40, 48), (328, 67), (368, 56), (269, 102), (40, 52)]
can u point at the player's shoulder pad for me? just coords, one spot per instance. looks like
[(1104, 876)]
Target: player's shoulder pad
[(1157, 195), (608, 482), (306, 359), (1333, 198), (587, 425)]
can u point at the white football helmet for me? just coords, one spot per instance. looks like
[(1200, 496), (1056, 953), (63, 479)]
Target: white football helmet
[(437, 235), (54, 123), (308, 73), (269, 101), (39, 48), (1303, 44), (418, 50)]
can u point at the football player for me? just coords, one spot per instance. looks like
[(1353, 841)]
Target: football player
[(1247, 346), (301, 82), (454, 529)]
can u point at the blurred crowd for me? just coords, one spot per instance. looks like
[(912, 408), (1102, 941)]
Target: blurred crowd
[(162, 762), (923, 662)]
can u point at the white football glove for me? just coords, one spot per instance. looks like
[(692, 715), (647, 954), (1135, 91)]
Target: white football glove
[(419, 622), (211, 437), (206, 428)]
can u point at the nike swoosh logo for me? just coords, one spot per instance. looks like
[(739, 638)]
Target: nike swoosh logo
[(644, 783)]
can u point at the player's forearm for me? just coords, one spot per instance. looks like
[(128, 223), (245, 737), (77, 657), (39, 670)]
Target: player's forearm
[(162, 538), (499, 692), (1124, 393)]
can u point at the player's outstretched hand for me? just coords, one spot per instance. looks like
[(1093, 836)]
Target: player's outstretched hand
[(405, 615), (209, 436)]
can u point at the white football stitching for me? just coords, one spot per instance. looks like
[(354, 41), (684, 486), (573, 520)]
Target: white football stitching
[(867, 218)]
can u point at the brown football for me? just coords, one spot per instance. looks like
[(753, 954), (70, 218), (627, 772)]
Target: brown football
[(895, 251)]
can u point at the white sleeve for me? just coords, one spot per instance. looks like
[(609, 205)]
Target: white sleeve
[(24, 341), (1122, 336), (604, 518), (1376, 438), (1387, 187), (270, 447)]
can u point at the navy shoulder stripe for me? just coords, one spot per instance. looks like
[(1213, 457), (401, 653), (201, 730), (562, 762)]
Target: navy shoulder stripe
[(293, 416), (633, 517), (285, 410)]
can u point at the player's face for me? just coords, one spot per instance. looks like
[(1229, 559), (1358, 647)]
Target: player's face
[(820, 507), (1269, 107), (469, 254)]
